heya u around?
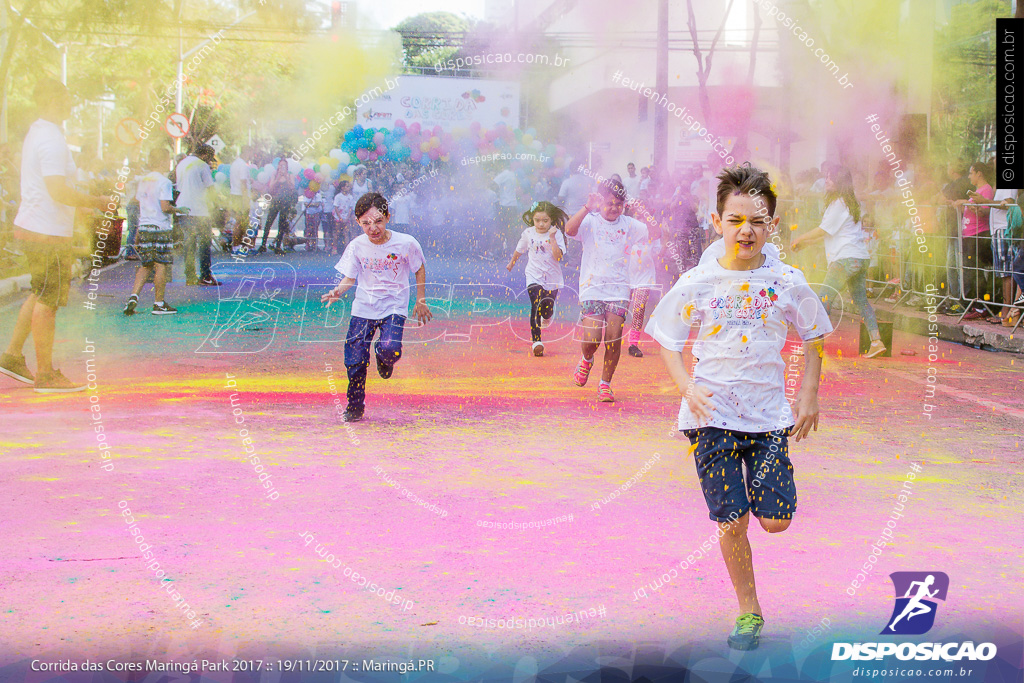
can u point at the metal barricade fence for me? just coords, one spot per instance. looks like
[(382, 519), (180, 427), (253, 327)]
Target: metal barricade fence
[(985, 257), (918, 254)]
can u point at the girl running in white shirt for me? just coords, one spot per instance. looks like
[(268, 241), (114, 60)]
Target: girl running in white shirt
[(545, 245)]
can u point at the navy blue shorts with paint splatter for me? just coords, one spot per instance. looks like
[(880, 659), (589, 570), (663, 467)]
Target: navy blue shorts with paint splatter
[(769, 490)]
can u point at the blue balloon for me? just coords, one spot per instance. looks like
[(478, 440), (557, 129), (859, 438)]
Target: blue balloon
[(357, 130), (425, 160), (277, 160)]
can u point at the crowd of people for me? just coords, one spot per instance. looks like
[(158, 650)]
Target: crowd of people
[(634, 240)]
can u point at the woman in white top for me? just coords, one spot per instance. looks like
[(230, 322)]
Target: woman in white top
[(846, 251)]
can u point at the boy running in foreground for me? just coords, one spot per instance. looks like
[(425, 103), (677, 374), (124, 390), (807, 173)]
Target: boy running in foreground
[(734, 409)]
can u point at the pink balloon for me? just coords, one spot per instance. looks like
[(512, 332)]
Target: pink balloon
[(381, 150), (433, 154), (399, 123), (361, 154), (475, 126), (309, 174), (416, 155), (436, 130), (372, 156), (310, 194), (415, 128), (378, 138), (491, 135)]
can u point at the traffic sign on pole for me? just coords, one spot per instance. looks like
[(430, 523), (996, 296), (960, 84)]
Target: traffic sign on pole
[(176, 125)]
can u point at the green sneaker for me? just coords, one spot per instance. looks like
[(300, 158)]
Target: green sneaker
[(747, 633)]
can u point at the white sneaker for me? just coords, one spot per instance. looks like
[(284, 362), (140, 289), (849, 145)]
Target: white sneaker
[(545, 323), (538, 348)]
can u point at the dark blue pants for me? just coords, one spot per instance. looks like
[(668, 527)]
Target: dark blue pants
[(388, 350)]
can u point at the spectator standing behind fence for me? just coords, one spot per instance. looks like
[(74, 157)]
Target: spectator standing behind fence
[(976, 247), (1002, 251), (846, 251), (194, 180)]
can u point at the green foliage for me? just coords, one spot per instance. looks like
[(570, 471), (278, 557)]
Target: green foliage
[(965, 79), (432, 36)]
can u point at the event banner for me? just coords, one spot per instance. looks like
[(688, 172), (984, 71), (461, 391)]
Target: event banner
[(447, 102)]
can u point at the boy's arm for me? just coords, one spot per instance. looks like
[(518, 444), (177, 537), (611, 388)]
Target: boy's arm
[(807, 397), (336, 293), (420, 310), (697, 396)]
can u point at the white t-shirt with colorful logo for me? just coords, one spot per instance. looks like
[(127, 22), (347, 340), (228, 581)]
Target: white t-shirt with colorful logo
[(743, 318), (604, 271), (541, 267), (382, 273)]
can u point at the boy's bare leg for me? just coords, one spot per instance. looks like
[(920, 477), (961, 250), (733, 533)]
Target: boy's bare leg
[(160, 280), (738, 560), (592, 329), (612, 345), (23, 326), (141, 275)]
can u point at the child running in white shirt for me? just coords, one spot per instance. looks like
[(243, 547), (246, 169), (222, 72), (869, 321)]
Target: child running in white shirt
[(735, 411), (544, 244), (607, 238), (379, 263)]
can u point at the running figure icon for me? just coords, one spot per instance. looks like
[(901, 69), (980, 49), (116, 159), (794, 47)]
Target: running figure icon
[(246, 320), (915, 607)]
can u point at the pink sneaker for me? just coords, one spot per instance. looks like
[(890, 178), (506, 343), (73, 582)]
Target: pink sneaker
[(582, 372), (604, 394)]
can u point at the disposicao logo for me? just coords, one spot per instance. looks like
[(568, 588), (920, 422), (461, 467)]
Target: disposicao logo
[(914, 614)]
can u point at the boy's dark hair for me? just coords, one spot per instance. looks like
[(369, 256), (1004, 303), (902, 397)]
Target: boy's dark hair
[(558, 216), (371, 200), (745, 179), (612, 188)]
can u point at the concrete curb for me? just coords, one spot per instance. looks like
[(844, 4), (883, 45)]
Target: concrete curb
[(981, 335)]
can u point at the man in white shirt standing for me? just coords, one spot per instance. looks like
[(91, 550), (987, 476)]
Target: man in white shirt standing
[(44, 225), (632, 181), (241, 195), (194, 180)]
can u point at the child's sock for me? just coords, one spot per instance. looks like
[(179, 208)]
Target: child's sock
[(634, 337), (605, 384), (133, 296), (589, 360), (158, 303)]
